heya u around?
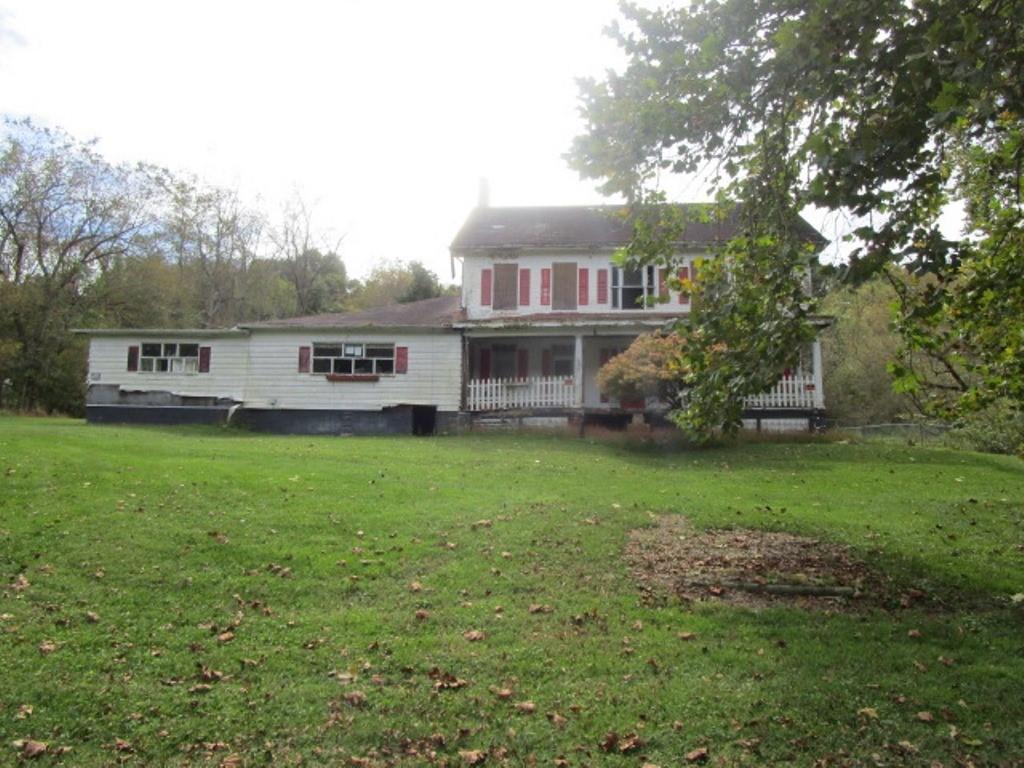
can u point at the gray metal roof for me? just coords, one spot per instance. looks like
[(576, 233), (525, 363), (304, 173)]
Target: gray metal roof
[(592, 226), (429, 313)]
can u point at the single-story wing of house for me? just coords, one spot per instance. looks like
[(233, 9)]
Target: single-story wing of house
[(543, 305)]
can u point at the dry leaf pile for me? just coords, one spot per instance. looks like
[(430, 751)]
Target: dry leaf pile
[(676, 558)]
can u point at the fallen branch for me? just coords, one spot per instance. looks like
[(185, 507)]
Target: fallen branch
[(809, 590)]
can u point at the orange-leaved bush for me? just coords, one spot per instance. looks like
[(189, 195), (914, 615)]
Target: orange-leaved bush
[(652, 366)]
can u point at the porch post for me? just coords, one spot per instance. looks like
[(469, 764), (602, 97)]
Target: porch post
[(466, 372), (819, 392), (578, 370)]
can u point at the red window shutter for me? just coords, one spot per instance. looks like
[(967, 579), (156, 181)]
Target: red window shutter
[(401, 359), (485, 363), (485, 287), (522, 363), (304, 355), (133, 357), (584, 280), (545, 287), (524, 287), (606, 355), (546, 363), (204, 359), (684, 274), (602, 286)]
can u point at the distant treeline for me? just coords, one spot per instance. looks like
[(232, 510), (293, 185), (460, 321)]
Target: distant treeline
[(88, 243)]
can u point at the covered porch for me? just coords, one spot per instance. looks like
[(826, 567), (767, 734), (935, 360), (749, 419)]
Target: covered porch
[(530, 371), (536, 371)]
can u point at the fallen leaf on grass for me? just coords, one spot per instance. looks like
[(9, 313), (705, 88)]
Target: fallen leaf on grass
[(355, 698), (23, 711), (538, 608), (30, 748), (503, 693), (20, 584), (47, 646), (422, 614), (612, 742), (868, 713), (474, 635), (903, 747), (225, 637), (925, 717), (415, 587), (698, 755), (231, 761), (526, 707), (472, 756), (92, 617), (687, 635), (210, 675), (121, 745), (201, 688), (446, 681), (557, 720)]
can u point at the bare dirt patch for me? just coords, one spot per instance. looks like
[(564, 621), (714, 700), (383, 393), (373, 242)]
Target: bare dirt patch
[(748, 567)]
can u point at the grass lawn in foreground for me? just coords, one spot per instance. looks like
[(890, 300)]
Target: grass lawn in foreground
[(126, 554)]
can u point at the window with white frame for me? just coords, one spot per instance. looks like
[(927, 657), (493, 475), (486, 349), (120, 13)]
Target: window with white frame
[(169, 357), (633, 288), (563, 360), (354, 358)]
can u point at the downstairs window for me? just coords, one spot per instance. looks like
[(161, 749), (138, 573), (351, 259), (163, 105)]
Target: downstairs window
[(354, 358), (169, 357)]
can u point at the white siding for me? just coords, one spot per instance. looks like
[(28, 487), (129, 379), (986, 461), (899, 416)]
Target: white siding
[(537, 260), (434, 376), (108, 364)]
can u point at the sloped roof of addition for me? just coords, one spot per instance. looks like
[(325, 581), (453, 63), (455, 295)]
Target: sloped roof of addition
[(593, 226), (428, 313)]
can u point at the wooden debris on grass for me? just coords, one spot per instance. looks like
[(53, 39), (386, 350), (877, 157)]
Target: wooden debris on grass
[(746, 566)]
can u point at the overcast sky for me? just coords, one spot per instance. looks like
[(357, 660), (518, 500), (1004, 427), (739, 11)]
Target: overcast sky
[(383, 114)]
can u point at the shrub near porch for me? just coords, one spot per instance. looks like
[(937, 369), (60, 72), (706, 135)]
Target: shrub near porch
[(197, 597)]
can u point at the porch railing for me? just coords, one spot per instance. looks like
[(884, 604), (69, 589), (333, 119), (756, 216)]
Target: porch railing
[(532, 392), (797, 391)]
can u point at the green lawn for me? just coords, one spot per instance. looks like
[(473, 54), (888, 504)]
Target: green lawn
[(168, 535)]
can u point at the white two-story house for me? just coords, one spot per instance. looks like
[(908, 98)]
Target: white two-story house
[(543, 306)]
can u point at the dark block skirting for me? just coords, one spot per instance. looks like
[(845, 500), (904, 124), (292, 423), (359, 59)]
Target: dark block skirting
[(398, 420), (148, 414), (286, 421)]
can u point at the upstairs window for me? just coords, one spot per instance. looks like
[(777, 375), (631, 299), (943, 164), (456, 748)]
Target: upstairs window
[(354, 358), (565, 285), (506, 286), (169, 357), (633, 289)]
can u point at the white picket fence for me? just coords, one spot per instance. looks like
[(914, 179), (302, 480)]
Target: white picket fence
[(532, 392), (792, 392)]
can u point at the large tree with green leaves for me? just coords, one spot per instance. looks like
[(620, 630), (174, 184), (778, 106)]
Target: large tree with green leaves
[(883, 110), (65, 215)]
